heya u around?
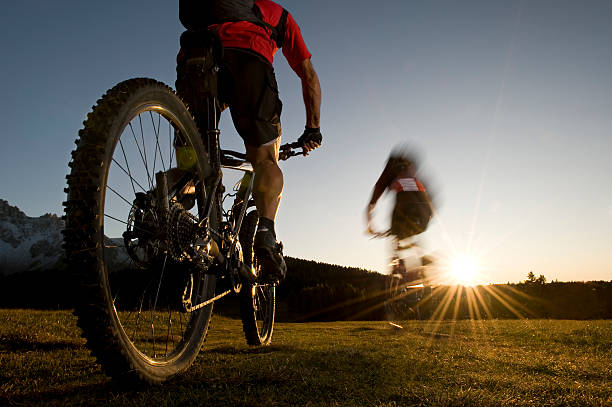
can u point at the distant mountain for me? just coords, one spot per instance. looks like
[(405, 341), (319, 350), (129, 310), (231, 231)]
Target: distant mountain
[(28, 243), (32, 244)]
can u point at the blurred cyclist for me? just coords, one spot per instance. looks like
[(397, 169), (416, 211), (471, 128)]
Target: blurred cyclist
[(413, 208)]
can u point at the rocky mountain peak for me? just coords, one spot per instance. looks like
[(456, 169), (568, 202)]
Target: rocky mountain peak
[(8, 212), (28, 243)]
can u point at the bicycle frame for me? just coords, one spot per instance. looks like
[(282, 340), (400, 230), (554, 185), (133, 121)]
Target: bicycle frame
[(228, 159), (226, 238)]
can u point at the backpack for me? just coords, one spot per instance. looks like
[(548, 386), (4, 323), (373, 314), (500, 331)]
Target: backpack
[(197, 15)]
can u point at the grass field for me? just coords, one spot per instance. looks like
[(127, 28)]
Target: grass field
[(43, 361)]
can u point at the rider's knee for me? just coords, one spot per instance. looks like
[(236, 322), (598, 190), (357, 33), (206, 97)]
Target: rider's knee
[(265, 155)]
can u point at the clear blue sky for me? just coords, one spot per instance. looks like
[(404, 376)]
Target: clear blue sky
[(510, 103)]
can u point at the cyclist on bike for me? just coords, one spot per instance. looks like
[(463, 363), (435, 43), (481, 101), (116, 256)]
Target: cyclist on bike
[(413, 208), (411, 214), (251, 32)]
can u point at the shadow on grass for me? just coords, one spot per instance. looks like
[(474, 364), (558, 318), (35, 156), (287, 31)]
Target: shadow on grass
[(228, 375), (88, 394), (363, 329), (21, 344), (289, 375), (256, 350)]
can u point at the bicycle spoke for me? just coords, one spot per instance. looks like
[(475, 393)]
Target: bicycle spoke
[(161, 277), (131, 178), (144, 151), (127, 164), (119, 195), (156, 143), (157, 146), (144, 161), (151, 338), (115, 219), (169, 329), (125, 223)]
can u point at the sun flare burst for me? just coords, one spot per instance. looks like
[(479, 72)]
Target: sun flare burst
[(464, 271)]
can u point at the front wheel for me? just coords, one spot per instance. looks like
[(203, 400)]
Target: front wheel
[(403, 297), (257, 301), (128, 243)]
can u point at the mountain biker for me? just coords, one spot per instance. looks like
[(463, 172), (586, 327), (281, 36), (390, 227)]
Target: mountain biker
[(412, 211), (413, 208), (251, 32)]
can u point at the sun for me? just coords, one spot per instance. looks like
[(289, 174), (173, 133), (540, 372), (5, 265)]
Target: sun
[(464, 271)]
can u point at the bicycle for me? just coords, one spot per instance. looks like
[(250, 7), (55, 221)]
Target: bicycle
[(153, 240), (405, 287)]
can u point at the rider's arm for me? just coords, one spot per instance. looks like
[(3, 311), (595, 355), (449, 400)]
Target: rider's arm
[(376, 193), (379, 188), (311, 91), (386, 177), (298, 56)]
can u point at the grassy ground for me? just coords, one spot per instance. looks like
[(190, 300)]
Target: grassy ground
[(43, 361)]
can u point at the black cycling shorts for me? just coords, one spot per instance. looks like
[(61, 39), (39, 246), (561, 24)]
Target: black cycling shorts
[(247, 85), (409, 218)]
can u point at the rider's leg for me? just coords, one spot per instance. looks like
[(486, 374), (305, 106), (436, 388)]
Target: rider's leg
[(268, 182), (248, 85), (267, 190)]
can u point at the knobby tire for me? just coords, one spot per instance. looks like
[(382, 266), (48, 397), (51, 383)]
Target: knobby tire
[(84, 239)]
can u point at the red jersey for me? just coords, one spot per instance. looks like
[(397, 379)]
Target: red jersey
[(406, 184), (243, 34)]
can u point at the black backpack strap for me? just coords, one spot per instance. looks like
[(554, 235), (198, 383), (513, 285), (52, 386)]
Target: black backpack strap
[(277, 32)]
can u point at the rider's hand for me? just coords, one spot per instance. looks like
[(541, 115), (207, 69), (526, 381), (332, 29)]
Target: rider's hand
[(310, 139), (369, 211)]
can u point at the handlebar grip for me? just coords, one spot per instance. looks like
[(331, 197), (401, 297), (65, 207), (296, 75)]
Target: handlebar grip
[(286, 154), (286, 150), (290, 146)]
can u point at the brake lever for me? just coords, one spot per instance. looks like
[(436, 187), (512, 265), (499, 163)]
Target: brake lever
[(287, 151), (285, 155)]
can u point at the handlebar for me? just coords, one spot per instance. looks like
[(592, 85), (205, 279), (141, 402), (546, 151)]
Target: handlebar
[(287, 151), (374, 234)]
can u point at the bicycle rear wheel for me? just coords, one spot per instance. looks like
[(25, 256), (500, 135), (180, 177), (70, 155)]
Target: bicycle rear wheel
[(257, 301), (402, 298), (131, 274)]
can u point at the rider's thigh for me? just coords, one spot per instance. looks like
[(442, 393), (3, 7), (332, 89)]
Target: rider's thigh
[(265, 152)]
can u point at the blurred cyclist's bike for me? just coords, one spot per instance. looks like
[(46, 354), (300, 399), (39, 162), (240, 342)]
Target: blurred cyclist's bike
[(408, 282), (153, 238)]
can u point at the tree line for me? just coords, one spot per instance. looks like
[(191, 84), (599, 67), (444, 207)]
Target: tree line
[(315, 291)]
